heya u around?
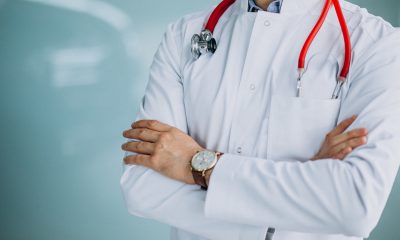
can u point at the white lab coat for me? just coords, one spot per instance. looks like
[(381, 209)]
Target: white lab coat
[(241, 101)]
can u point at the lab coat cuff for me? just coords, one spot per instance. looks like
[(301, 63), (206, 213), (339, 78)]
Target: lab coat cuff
[(219, 203)]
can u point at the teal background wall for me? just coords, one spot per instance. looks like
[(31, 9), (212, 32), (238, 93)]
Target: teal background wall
[(72, 73)]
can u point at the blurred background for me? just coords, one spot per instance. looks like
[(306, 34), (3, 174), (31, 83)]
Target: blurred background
[(72, 74)]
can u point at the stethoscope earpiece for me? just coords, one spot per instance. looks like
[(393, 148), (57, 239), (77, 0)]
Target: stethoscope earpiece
[(203, 43)]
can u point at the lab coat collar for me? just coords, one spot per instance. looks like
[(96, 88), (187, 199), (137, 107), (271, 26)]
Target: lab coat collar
[(291, 7)]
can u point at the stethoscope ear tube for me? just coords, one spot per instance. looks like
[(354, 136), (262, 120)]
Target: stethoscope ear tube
[(346, 36), (347, 41)]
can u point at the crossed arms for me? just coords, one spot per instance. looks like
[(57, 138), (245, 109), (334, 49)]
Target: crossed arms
[(347, 196)]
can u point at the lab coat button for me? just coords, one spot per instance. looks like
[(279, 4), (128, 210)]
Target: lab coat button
[(239, 150), (252, 86), (267, 23)]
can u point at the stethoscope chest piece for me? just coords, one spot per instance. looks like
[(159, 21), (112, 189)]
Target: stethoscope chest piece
[(203, 43)]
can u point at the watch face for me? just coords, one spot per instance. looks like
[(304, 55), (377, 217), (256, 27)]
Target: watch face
[(203, 160)]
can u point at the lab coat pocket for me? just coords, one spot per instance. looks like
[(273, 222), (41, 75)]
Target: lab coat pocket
[(297, 126), (320, 76)]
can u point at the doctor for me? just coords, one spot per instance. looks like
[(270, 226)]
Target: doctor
[(235, 116)]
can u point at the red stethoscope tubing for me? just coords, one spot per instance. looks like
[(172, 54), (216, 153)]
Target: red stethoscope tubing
[(313, 34), (217, 14), (225, 4), (317, 27), (346, 37)]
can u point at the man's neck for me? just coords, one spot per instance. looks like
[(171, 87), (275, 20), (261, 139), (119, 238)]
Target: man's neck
[(263, 4)]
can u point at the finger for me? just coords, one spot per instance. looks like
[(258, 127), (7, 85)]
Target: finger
[(342, 126), (152, 124), (139, 159), (343, 153), (352, 143), (139, 147), (355, 133), (143, 134)]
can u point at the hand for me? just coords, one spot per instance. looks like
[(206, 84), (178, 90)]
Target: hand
[(338, 143), (163, 148)]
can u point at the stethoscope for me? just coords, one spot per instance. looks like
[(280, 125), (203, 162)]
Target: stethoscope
[(205, 43)]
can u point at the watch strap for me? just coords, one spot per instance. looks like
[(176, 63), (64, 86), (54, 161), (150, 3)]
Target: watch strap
[(199, 179)]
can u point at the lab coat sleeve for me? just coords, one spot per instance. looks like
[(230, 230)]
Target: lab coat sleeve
[(327, 196), (151, 195)]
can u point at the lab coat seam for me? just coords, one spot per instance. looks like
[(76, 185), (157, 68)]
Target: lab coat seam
[(179, 52), (366, 51)]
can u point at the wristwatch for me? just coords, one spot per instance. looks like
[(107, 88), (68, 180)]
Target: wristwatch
[(202, 162)]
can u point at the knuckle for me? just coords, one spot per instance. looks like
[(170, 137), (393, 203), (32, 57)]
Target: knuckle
[(349, 134), (336, 156), (364, 140), (165, 136), (140, 158), (134, 124), (353, 142), (159, 147), (152, 123), (329, 141), (361, 140), (139, 145), (128, 160), (354, 133), (141, 133), (342, 124), (161, 138), (347, 149), (328, 136)]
